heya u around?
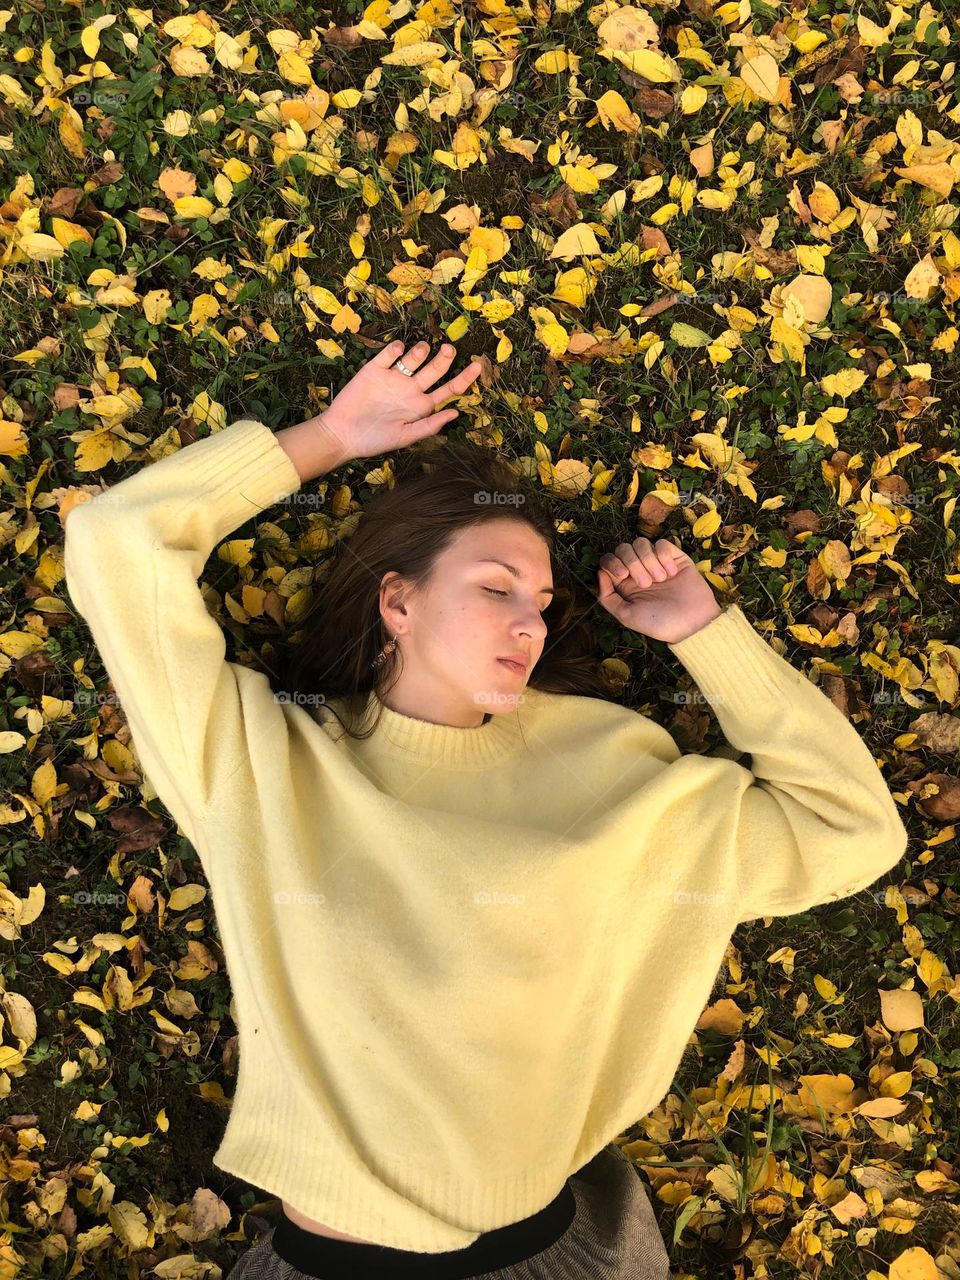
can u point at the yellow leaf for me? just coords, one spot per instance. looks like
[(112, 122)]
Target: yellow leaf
[(187, 61), (66, 232), (554, 337), (43, 783), (573, 286), (914, 1264), (922, 279), (457, 328), (719, 201), (193, 207), (814, 295), (293, 68), (553, 62), (809, 40), (90, 35), (692, 99), (40, 248), (613, 110), (937, 177), (901, 1010), (94, 451), (417, 54), (576, 240), (653, 66), (347, 99), (761, 75), (185, 896), (909, 130), (870, 34), (823, 202), (688, 335), (824, 987), (843, 383), (707, 524), (793, 344), (810, 259), (227, 51), (896, 1085)]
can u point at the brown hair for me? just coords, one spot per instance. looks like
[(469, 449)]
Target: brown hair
[(405, 528)]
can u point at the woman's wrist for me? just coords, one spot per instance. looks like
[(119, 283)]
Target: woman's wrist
[(315, 447)]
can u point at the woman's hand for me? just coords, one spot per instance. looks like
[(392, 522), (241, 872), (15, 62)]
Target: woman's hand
[(381, 408), (655, 589)]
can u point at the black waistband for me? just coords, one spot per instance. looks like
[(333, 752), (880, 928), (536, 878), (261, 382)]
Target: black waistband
[(322, 1257)]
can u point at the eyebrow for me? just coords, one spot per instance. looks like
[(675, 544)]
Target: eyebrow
[(515, 571)]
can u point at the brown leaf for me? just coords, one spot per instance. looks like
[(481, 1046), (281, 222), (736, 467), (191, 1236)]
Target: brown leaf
[(942, 805)]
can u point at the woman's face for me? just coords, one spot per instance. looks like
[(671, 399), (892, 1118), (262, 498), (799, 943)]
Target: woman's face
[(471, 613)]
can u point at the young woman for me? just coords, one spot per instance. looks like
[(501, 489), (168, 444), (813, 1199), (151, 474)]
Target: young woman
[(467, 943)]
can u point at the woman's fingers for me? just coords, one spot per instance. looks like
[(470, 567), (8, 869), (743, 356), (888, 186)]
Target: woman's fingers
[(456, 386)]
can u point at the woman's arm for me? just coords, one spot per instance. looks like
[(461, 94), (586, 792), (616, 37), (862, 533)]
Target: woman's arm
[(132, 556)]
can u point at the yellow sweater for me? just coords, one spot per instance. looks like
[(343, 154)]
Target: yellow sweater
[(463, 960)]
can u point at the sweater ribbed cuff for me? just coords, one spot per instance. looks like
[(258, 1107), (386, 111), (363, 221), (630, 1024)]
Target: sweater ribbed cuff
[(244, 470), (732, 663)]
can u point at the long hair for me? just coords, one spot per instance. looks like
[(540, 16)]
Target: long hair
[(405, 528)]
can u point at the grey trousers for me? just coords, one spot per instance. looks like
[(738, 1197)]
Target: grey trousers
[(613, 1235)]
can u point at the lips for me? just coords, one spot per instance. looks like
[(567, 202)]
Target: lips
[(518, 668)]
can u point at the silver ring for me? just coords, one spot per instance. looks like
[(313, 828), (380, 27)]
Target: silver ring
[(403, 369)]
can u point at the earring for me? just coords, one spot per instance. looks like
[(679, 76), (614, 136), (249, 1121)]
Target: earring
[(382, 656)]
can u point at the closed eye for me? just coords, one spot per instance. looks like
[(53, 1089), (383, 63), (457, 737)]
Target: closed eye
[(493, 591)]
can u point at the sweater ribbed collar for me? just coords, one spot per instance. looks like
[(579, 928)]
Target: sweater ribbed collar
[(501, 736)]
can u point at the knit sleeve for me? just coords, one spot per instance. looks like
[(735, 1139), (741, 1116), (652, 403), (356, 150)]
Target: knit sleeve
[(814, 820), (132, 558)]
